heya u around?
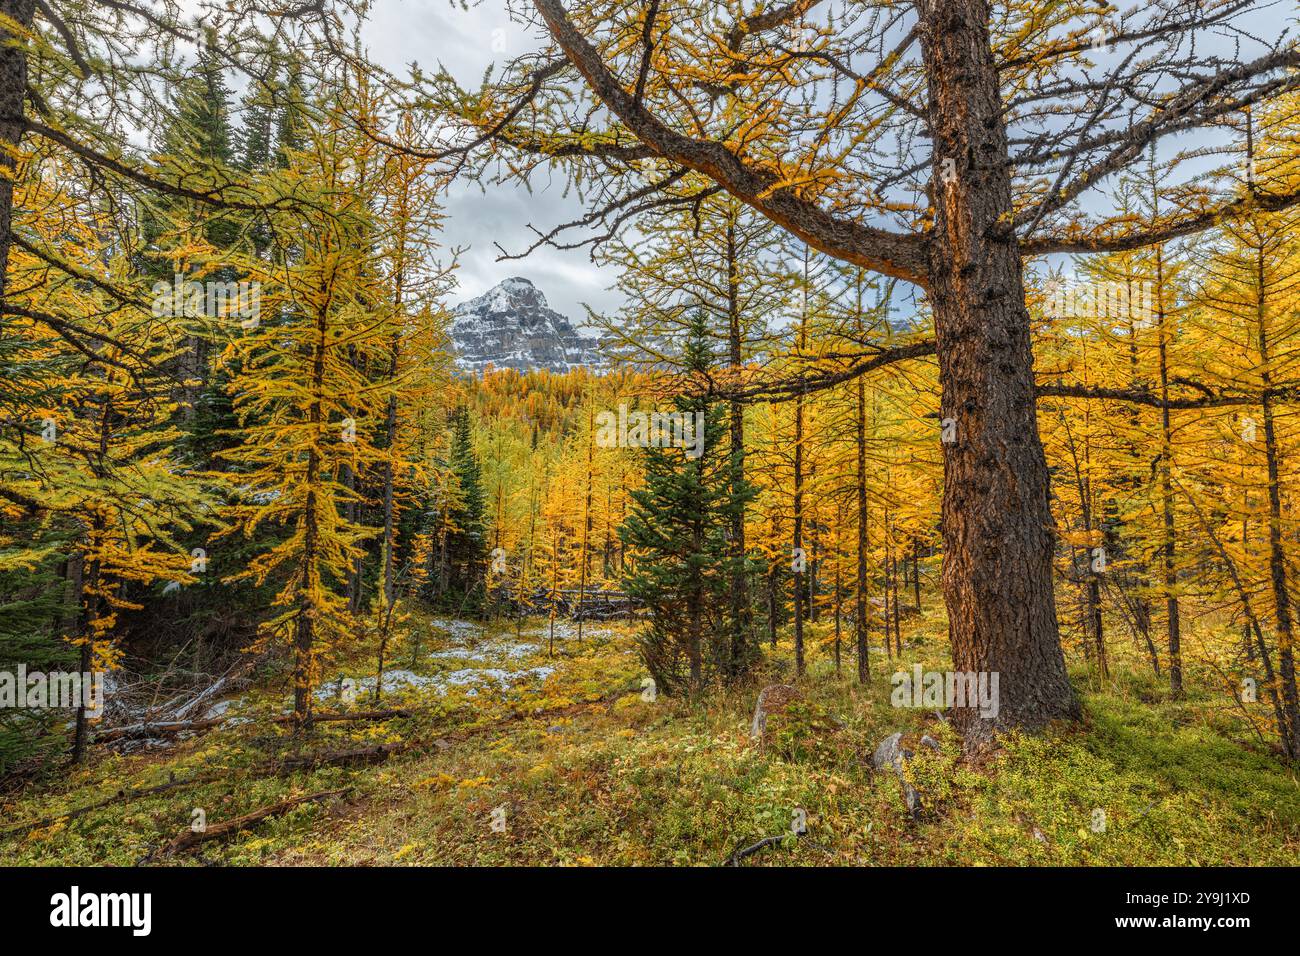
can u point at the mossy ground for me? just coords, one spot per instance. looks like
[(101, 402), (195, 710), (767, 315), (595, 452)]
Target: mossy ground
[(588, 782)]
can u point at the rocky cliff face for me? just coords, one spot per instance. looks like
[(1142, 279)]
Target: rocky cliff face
[(511, 326)]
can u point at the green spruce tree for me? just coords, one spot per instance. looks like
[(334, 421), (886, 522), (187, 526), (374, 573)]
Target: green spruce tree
[(678, 530), (458, 528)]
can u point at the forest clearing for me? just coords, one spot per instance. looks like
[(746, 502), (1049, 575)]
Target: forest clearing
[(593, 774), (644, 434)]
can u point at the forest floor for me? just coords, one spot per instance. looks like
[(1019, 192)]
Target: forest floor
[(581, 770)]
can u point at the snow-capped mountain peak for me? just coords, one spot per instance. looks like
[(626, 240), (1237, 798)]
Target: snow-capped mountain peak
[(511, 326)]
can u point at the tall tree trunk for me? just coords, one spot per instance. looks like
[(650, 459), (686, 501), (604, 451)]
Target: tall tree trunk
[(388, 567), (1141, 605), (1170, 546), (352, 588), (741, 612), (1091, 578), (891, 556), (886, 590), (91, 584), (772, 577), (607, 549), (305, 623), (81, 736), (87, 596), (860, 433), (388, 584), (695, 607), (800, 558), (69, 615), (1276, 554), (916, 573), (839, 595), (584, 559), (1247, 640), (13, 92), (1094, 580), (997, 521), (814, 562), (390, 513)]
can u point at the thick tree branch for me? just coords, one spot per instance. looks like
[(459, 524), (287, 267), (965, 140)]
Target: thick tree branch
[(786, 389), (209, 197), (1151, 399), (1193, 106), (899, 255), (759, 22), (1122, 237), (69, 41)]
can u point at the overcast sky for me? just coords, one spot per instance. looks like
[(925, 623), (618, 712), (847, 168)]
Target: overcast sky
[(400, 32)]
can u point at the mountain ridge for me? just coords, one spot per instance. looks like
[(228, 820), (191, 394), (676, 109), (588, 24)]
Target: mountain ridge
[(512, 326)]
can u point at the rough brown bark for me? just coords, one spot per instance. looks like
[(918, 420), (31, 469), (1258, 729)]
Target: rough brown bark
[(13, 91), (997, 523), (998, 532), (390, 511), (898, 634)]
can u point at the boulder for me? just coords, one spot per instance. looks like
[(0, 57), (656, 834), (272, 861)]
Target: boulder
[(889, 753)]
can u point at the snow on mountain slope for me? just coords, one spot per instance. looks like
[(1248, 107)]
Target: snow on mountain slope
[(511, 326)]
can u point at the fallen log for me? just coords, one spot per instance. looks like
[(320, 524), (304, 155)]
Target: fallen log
[(233, 677), (742, 852), (220, 831), (122, 796), (777, 840), (165, 728), (170, 728), (356, 715), (357, 756), (377, 753)]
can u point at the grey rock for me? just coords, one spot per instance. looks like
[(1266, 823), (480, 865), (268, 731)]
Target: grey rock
[(511, 326), (928, 741), (771, 699), (912, 798), (891, 753)]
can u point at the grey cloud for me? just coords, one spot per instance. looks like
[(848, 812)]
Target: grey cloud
[(430, 32)]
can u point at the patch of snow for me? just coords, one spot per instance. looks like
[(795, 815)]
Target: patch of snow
[(503, 678), (465, 677), (488, 652), (459, 630), (568, 631)]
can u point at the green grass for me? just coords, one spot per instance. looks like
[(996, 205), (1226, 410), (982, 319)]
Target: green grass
[(678, 783)]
